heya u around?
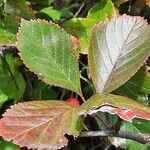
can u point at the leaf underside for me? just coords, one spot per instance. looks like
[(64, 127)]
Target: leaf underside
[(40, 124), (46, 49), (126, 108), (118, 48)]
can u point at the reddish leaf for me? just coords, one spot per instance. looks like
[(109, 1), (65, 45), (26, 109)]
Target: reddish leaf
[(40, 124), (126, 108)]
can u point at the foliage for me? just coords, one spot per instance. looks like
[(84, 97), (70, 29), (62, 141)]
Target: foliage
[(116, 47)]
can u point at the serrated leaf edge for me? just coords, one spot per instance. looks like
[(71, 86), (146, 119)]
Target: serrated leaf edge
[(26, 64), (114, 18)]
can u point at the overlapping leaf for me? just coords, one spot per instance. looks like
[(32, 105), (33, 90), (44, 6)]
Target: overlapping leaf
[(118, 48), (47, 50), (40, 124), (138, 87), (8, 30), (12, 86), (81, 27), (126, 108)]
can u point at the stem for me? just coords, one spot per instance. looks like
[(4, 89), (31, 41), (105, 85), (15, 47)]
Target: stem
[(89, 82), (141, 138), (79, 10), (104, 121)]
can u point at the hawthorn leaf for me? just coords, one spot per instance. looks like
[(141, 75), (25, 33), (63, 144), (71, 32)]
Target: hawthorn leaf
[(101, 11), (118, 48), (49, 54), (138, 87), (81, 27), (42, 91), (11, 87), (142, 125), (41, 124), (4, 145), (53, 13), (8, 29), (125, 108)]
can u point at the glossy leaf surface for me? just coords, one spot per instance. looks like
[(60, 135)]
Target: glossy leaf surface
[(40, 124), (118, 48), (125, 108), (49, 54)]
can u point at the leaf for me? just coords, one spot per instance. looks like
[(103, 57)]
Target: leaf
[(81, 27), (129, 144), (118, 48), (57, 14), (8, 145), (11, 87), (125, 108), (49, 53), (142, 125), (101, 11), (138, 87), (18, 8), (53, 13), (43, 91), (8, 30), (42, 130)]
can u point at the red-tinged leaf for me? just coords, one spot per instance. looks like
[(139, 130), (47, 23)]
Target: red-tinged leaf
[(118, 48), (125, 108), (75, 41), (40, 124)]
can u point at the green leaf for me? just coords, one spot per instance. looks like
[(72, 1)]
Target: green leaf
[(8, 145), (8, 30), (53, 13), (129, 144), (142, 125), (42, 130), (138, 87), (125, 108), (11, 87), (57, 14), (18, 8), (103, 10), (118, 48), (43, 91), (81, 27), (49, 54)]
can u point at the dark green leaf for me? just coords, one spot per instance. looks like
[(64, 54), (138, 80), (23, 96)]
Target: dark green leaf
[(11, 86)]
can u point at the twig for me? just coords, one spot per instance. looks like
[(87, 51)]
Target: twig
[(141, 138), (79, 10), (104, 121), (89, 82), (117, 126)]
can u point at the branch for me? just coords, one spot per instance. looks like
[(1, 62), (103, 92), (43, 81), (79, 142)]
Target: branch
[(141, 138)]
